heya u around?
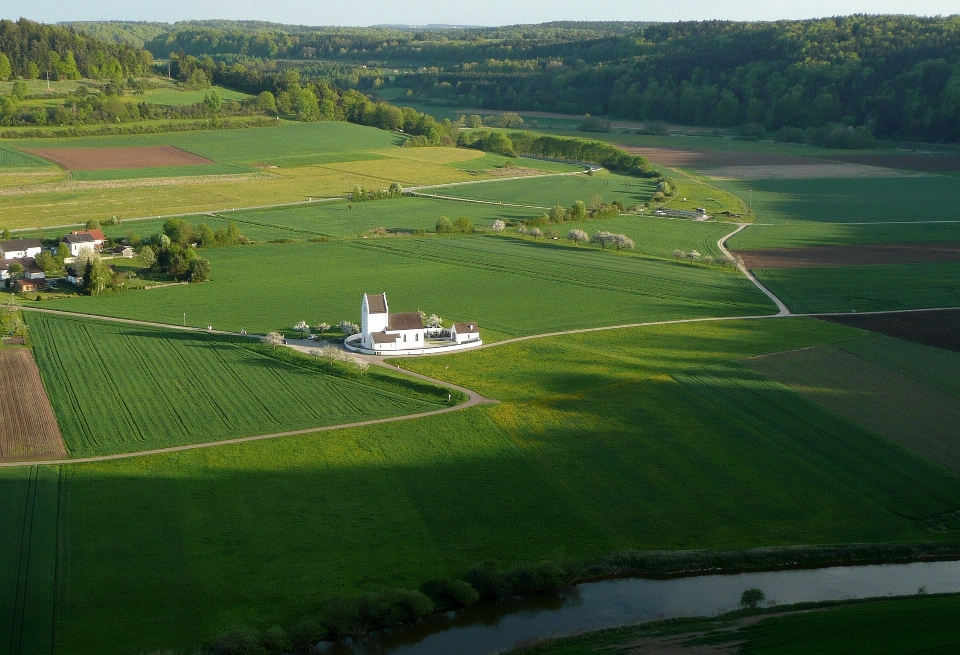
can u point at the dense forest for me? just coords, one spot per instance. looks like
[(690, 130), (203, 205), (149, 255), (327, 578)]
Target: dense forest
[(838, 81), (892, 76), (31, 50)]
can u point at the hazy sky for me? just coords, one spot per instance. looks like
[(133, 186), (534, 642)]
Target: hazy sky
[(476, 12)]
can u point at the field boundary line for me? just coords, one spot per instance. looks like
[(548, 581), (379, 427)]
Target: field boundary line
[(722, 245)]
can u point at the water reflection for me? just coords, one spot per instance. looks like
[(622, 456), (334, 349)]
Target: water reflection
[(491, 628)]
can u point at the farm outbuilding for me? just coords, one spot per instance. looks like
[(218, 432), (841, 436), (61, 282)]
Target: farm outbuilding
[(465, 332)]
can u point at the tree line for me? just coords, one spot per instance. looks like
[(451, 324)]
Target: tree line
[(31, 50), (895, 76)]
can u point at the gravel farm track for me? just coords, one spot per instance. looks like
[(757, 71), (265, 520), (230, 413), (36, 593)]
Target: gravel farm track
[(30, 428)]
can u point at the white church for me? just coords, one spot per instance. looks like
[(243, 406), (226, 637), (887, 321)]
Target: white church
[(384, 332)]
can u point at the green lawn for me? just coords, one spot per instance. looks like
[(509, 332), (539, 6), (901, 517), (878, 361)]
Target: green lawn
[(631, 439), (547, 191), (119, 388), (901, 626), (865, 288), (510, 286)]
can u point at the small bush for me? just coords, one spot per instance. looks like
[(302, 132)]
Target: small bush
[(450, 594), (240, 642), (489, 581), (751, 598)]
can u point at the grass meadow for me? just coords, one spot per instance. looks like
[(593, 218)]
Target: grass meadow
[(639, 438), (547, 191), (799, 234), (898, 626), (301, 143), (119, 388), (29, 508), (906, 392), (879, 287), (851, 200), (510, 286), (173, 97)]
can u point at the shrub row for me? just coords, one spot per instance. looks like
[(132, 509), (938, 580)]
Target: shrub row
[(351, 616), (113, 130)]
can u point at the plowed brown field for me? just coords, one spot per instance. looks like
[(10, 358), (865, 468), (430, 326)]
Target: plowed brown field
[(940, 329), (28, 428), (883, 253), (96, 159)]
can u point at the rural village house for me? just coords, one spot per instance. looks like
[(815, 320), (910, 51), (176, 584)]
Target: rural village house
[(31, 271), (91, 239), (20, 248), (24, 285)]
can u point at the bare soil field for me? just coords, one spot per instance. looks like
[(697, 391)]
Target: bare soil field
[(823, 169), (28, 428), (940, 329), (852, 255), (706, 159), (96, 159), (932, 163), (726, 165)]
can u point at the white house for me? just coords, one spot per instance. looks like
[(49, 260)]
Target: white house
[(465, 332), (89, 239), (382, 331), (20, 248)]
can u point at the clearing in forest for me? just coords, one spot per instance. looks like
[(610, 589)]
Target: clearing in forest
[(95, 159), (28, 428)]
